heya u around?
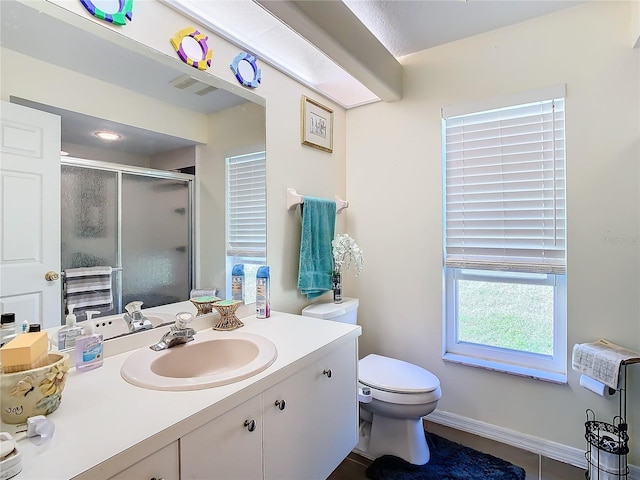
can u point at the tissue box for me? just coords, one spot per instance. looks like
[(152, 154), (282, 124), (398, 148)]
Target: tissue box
[(26, 351)]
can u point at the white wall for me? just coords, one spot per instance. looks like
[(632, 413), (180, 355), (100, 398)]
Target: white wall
[(635, 19), (105, 154), (175, 159), (394, 183)]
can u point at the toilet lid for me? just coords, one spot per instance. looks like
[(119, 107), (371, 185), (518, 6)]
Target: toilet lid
[(394, 375)]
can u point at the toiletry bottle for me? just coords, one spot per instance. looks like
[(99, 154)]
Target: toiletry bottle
[(68, 334), (237, 282), (263, 307), (89, 347), (7, 328)]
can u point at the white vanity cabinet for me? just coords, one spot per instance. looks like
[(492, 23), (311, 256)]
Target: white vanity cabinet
[(310, 418), (209, 434), (303, 427), (162, 464), (227, 448)]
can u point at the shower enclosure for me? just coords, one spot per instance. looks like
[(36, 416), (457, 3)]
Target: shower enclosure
[(138, 221)]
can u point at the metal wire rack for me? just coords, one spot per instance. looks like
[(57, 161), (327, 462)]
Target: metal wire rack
[(608, 443)]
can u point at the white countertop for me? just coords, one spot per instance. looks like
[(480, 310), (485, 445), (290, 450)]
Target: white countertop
[(103, 422)]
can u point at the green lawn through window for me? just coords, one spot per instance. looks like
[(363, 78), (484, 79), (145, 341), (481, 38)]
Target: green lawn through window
[(507, 315)]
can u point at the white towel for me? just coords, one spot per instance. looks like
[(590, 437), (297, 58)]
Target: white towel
[(89, 288)]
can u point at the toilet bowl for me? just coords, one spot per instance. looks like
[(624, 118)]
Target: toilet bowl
[(402, 393), (394, 395)]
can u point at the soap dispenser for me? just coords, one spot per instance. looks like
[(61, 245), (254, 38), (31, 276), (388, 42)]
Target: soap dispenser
[(68, 334), (89, 346)]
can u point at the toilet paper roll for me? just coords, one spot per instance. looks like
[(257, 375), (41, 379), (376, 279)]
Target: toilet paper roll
[(594, 385)]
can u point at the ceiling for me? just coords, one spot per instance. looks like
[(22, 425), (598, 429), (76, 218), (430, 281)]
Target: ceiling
[(348, 50), (406, 27)]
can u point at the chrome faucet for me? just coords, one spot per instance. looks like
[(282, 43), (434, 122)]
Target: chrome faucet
[(135, 319), (178, 334)]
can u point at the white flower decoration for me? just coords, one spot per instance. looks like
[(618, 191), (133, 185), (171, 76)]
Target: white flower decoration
[(347, 252)]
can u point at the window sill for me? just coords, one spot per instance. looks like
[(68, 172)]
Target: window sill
[(544, 375)]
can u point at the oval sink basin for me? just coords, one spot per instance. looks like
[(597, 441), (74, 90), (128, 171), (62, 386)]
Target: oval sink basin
[(227, 358)]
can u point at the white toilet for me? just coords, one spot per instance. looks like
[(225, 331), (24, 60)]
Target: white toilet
[(401, 394)]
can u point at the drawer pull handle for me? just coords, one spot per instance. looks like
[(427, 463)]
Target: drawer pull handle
[(280, 404), (250, 424), (327, 373)]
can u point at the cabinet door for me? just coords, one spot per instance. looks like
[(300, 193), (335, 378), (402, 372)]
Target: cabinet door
[(160, 465), (316, 427), (227, 448)]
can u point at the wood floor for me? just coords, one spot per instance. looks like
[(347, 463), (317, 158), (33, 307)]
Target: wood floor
[(536, 466)]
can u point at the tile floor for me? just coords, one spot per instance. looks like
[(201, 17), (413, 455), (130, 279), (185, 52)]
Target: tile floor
[(536, 466)]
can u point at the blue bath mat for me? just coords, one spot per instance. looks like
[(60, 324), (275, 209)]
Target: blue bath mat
[(449, 461)]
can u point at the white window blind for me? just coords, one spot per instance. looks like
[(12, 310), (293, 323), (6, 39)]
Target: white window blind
[(247, 205), (505, 188)]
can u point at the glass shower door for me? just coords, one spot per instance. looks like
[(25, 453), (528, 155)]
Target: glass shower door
[(134, 220), (155, 240), (89, 223)]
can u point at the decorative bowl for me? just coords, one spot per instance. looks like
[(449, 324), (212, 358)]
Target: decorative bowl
[(37, 391)]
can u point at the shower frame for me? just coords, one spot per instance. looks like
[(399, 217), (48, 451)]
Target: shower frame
[(121, 169)]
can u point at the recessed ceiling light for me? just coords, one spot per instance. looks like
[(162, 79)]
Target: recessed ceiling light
[(107, 136), (63, 153)]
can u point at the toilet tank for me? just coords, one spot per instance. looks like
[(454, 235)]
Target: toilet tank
[(345, 312)]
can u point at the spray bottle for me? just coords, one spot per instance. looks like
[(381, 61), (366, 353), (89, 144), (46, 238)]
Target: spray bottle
[(263, 290), (237, 282)]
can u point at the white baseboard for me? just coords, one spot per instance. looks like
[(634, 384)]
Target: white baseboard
[(540, 446)]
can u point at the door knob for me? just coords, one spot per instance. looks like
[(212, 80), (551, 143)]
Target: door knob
[(250, 424), (280, 404), (51, 276)]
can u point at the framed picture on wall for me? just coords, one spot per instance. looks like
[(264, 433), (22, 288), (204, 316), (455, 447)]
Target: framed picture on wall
[(317, 125)]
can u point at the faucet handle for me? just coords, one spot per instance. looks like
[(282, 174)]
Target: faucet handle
[(132, 307), (182, 319)]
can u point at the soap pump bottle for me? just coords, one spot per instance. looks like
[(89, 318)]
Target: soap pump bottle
[(68, 334), (89, 346)]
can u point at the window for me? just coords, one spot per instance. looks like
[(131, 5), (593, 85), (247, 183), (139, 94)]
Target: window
[(504, 235), (246, 217)]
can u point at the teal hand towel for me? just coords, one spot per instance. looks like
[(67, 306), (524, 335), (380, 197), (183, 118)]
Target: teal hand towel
[(316, 255)]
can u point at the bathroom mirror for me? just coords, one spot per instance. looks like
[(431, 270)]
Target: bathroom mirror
[(214, 119)]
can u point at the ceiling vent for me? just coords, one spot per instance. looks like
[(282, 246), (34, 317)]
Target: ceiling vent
[(192, 85)]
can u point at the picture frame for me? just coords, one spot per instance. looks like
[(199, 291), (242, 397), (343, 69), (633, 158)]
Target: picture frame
[(316, 125)]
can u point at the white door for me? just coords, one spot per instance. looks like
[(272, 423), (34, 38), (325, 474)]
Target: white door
[(30, 214)]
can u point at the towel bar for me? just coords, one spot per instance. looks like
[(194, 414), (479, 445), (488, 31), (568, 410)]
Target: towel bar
[(294, 199), (113, 269)]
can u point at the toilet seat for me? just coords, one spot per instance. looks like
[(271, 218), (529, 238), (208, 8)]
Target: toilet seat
[(395, 381)]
